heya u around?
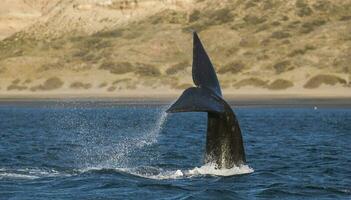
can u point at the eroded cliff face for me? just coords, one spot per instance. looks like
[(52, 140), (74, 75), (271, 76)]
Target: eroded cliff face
[(109, 45)]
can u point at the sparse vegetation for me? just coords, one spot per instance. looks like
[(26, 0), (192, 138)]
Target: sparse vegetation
[(2, 69), (80, 85), (27, 81), (282, 66), (280, 35), (169, 16), (50, 66), (183, 86), (124, 80), (326, 79), (93, 43), (280, 84), (174, 69), (302, 8), (16, 81), (50, 84), (111, 89), (308, 27), (255, 82), (233, 67), (345, 18), (172, 82), (271, 41), (102, 85), (207, 18), (322, 5), (301, 51), (194, 16), (16, 87), (110, 33), (254, 20), (117, 68), (221, 16), (147, 70)]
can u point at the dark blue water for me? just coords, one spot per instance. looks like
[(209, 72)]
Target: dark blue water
[(137, 152)]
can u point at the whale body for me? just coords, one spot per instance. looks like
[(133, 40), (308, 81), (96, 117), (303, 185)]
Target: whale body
[(224, 142)]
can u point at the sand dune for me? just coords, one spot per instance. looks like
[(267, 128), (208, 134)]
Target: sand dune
[(143, 48)]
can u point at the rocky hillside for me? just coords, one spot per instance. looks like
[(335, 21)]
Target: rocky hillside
[(125, 45)]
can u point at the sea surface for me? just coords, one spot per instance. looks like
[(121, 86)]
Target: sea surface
[(73, 150)]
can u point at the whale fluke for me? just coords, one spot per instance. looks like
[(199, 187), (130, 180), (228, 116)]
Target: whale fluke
[(204, 74), (196, 99), (224, 143)]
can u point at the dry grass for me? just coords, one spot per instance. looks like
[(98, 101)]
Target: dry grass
[(303, 8), (280, 84), (124, 80), (117, 68), (16, 87), (174, 69), (16, 81), (183, 86), (202, 20), (310, 26), (50, 84), (254, 20), (27, 81), (282, 66), (109, 33), (169, 17), (301, 51), (280, 35), (147, 70), (80, 85), (233, 67), (111, 89), (50, 66), (327, 79), (272, 39), (102, 85), (254, 82), (124, 83)]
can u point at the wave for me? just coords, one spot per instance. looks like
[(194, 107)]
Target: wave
[(30, 173), (142, 171), (162, 174)]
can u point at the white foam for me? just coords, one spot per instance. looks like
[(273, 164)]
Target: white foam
[(17, 176), (27, 173), (161, 174), (211, 169)]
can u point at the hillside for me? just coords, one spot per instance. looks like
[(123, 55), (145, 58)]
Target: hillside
[(143, 47)]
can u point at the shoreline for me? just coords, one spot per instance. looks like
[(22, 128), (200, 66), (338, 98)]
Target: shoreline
[(236, 100)]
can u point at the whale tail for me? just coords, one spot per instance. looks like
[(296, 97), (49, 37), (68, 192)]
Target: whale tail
[(224, 144), (207, 95)]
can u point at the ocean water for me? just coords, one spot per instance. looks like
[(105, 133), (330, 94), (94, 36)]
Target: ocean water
[(113, 151)]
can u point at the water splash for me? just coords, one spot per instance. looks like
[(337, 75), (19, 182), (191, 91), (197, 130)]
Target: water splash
[(120, 153), (152, 135), (162, 174), (211, 169)]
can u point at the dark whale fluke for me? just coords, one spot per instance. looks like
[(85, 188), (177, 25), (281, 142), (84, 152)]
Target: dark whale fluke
[(224, 143)]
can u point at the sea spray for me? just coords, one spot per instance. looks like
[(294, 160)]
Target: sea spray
[(106, 145), (129, 145), (151, 136)]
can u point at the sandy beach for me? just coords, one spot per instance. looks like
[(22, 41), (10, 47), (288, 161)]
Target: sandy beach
[(240, 98)]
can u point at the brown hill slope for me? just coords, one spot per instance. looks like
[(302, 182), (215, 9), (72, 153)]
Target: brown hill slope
[(16, 15), (94, 46)]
